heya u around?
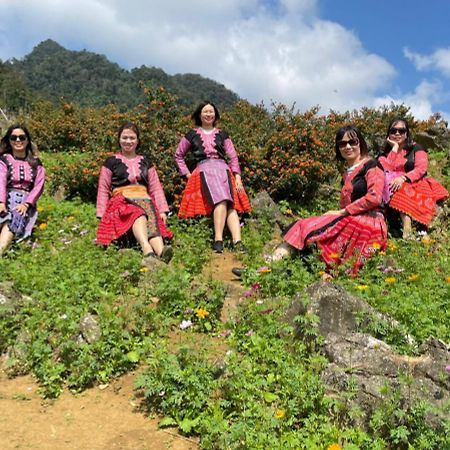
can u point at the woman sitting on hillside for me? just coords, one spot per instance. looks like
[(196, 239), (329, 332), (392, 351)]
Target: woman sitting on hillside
[(215, 186), (22, 179), (356, 229), (130, 199), (408, 189)]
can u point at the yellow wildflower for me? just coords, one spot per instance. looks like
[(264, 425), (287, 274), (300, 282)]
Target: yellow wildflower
[(280, 413), (376, 245), (361, 287), (322, 272), (382, 253), (413, 277), (143, 269), (390, 280), (448, 279), (392, 246), (70, 218), (202, 313), (334, 447), (289, 212), (334, 255), (40, 209), (42, 226)]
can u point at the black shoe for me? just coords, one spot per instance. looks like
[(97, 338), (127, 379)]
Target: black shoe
[(218, 246), (238, 271), (150, 255), (166, 254), (239, 247)]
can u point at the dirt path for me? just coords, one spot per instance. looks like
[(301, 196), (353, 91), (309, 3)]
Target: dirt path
[(101, 418)]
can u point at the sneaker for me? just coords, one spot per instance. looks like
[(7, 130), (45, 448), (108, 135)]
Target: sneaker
[(166, 254), (218, 246), (239, 247), (238, 271), (150, 255)]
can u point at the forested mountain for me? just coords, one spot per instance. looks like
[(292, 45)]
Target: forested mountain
[(87, 78)]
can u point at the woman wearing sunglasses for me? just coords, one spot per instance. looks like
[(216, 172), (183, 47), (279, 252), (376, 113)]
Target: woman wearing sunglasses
[(21, 184), (407, 188), (130, 199), (357, 228)]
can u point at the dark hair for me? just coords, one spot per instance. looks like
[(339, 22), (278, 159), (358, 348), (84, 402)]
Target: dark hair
[(196, 115), (409, 143), (352, 132), (129, 126), (30, 150)]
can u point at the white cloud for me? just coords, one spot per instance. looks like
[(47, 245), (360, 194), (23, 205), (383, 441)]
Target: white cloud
[(420, 101), (264, 50), (439, 60)]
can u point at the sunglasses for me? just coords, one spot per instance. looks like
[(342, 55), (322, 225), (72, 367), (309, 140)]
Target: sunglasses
[(397, 130), (352, 142), (18, 137)]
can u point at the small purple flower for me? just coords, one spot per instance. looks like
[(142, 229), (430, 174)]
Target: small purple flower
[(256, 286), (448, 368), (225, 333), (248, 293), (249, 333), (185, 324), (188, 311)]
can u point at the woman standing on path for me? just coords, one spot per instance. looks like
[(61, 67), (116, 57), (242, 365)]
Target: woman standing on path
[(215, 186)]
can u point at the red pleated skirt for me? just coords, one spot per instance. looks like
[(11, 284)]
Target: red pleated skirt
[(196, 199), (418, 200), (341, 238), (120, 216)]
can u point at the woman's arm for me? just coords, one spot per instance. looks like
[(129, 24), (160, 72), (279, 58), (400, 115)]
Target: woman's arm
[(3, 185), (156, 191), (103, 191), (232, 155), (182, 149), (372, 199), (38, 187), (420, 166)]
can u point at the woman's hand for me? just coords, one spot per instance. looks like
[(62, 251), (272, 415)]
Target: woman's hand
[(239, 185), (22, 208), (188, 175), (163, 218), (397, 183), (395, 147), (3, 208)]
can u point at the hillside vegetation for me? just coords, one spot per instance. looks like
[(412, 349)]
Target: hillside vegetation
[(242, 382), (52, 72)]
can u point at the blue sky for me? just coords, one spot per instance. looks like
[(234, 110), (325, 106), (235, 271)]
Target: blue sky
[(337, 54)]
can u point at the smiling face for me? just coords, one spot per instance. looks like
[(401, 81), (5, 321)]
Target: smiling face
[(398, 132), (208, 116), (18, 141), (128, 141), (350, 149)]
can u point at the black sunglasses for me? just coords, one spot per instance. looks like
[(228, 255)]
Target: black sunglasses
[(397, 130), (352, 142), (18, 137)]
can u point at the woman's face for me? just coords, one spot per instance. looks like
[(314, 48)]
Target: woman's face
[(208, 116), (349, 148), (397, 133), (18, 140), (128, 141)]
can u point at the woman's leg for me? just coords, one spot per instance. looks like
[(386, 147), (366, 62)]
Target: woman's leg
[(6, 237), (219, 218), (140, 233), (406, 225), (234, 225)]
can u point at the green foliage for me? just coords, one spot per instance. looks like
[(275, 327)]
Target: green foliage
[(92, 80)]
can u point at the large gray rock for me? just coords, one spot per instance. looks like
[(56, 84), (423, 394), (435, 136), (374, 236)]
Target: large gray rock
[(365, 365), (264, 206)]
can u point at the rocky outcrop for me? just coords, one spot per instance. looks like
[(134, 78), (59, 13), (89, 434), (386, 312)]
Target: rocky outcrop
[(366, 365)]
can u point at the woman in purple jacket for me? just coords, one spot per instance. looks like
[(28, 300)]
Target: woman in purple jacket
[(21, 184)]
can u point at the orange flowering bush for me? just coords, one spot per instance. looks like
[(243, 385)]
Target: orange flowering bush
[(282, 151)]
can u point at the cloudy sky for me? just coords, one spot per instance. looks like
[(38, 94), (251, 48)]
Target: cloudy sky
[(338, 54)]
